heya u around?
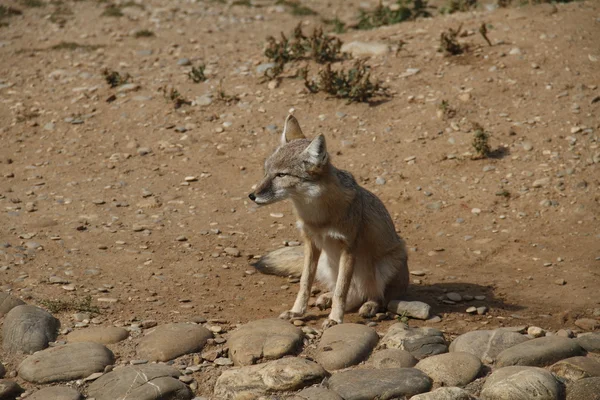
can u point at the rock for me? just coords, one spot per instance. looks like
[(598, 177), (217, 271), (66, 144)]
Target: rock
[(28, 329), (454, 296), (265, 339), (103, 335), (393, 358), (8, 302), (315, 393), (486, 345), (541, 182), (262, 68), (65, 363), (382, 384), (520, 383), (445, 393), (9, 389), (250, 382), (345, 345), (420, 342), (413, 309), (184, 62), (575, 368), (166, 342), (536, 331), (587, 324), (451, 369), (56, 393), (540, 352), (232, 251), (140, 382), (365, 49), (590, 342), (128, 87), (204, 100), (588, 389)]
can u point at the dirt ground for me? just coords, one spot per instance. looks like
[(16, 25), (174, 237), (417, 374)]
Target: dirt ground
[(95, 191)]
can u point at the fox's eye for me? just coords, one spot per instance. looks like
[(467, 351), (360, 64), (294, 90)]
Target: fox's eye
[(281, 175)]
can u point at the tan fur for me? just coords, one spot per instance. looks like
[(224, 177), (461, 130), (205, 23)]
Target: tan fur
[(351, 245)]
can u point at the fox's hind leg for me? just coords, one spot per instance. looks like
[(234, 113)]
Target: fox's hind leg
[(324, 301), (369, 309)]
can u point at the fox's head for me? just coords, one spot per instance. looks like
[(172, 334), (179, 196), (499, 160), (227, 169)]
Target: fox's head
[(294, 169)]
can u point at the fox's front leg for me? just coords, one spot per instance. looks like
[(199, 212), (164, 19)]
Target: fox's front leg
[(311, 260), (346, 269)]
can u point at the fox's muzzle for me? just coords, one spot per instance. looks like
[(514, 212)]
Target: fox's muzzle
[(252, 196)]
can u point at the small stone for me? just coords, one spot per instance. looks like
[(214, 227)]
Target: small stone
[(103, 335), (365, 49), (393, 358), (471, 310), (514, 51), (454, 296), (486, 344), (128, 87), (587, 324), (380, 180), (184, 62), (560, 282), (536, 331), (541, 182), (170, 341), (344, 345), (232, 251), (451, 369), (590, 342), (181, 238), (420, 342), (413, 309), (482, 310)]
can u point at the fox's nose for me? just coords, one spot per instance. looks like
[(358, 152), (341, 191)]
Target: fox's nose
[(252, 196)]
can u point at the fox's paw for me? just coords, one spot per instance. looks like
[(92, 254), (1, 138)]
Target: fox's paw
[(324, 301), (328, 323), (369, 309), (288, 315)]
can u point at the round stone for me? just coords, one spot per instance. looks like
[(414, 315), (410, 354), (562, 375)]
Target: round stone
[(265, 339), (8, 302), (575, 368), (56, 393), (393, 358), (445, 393), (451, 369), (520, 383), (540, 352), (420, 342), (28, 329), (588, 389), (345, 345), (166, 342), (486, 345), (103, 335)]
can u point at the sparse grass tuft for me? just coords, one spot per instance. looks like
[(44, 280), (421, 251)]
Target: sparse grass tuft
[(32, 3), (197, 74), (446, 110), (144, 33), (78, 305), (72, 46), (385, 15), (296, 8), (355, 85), (60, 13), (224, 97), (481, 141), (483, 31), (112, 11), (339, 26), (176, 98), (448, 43), (318, 47), (453, 6), (114, 79), (245, 3)]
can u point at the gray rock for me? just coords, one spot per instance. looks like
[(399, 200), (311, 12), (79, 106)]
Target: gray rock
[(103, 335), (590, 342), (486, 345), (166, 342), (365, 49), (141, 382), (265, 339), (65, 363), (128, 87), (345, 345), (420, 342), (28, 329), (575, 368), (9, 389), (540, 352), (250, 382), (520, 383), (445, 393), (451, 369), (588, 389), (393, 358), (56, 393), (413, 309), (184, 61), (262, 68), (204, 100), (8, 302), (316, 393), (381, 384)]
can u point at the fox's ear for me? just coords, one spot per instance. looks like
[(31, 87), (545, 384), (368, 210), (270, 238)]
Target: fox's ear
[(291, 130), (317, 151)]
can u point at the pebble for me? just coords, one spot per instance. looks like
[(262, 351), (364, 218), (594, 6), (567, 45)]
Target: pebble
[(28, 329), (380, 181), (264, 339), (420, 342), (587, 324), (520, 383), (413, 309), (451, 369), (590, 342), (365, 49), (392, 358), (103, 335), (184, 62), (65, 363), (389, 383), (254, 381), (539, 352), (232, 251), (147, 382), (536, 331), (454, 296), (166, 342), (8, 302), (344, 345), (486, 344)]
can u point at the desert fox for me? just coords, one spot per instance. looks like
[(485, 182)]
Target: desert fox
[(350, 244)]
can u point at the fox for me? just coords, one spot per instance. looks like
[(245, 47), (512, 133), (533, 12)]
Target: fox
[(350, 243)]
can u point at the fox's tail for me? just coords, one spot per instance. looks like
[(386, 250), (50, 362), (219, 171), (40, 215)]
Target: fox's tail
[(287, 261)]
